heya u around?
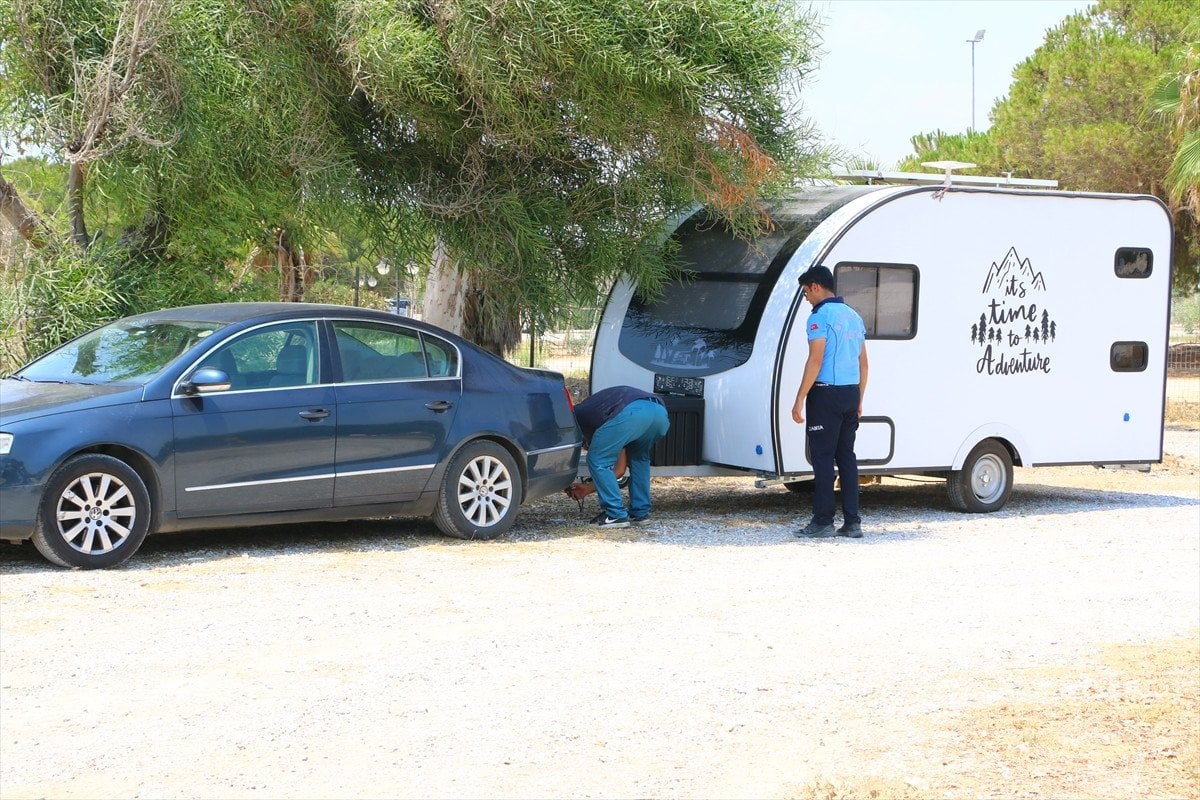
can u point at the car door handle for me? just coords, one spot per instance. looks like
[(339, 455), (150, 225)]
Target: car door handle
[(314, 414), (439, 406)]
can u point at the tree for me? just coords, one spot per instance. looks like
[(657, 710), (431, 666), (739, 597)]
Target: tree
[(972, 147), (536, 144), (1177, 98), (188, 135), (1079, 108)]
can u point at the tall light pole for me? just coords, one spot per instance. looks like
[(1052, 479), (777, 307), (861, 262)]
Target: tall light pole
[(978, 38)]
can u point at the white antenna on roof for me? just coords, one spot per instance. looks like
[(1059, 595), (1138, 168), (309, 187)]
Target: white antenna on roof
[(948, 166)]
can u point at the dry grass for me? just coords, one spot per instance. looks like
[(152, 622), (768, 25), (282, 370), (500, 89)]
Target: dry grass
[(1121, 726), (1126, 724), (1182, 414)]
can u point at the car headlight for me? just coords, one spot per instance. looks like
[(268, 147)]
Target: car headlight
[(6, 440)]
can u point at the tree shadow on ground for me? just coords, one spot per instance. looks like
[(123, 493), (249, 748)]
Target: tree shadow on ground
[(729, 512), (166, 550)]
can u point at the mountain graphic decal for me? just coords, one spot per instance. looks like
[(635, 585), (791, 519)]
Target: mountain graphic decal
[(1016, 269), (1015, 332)]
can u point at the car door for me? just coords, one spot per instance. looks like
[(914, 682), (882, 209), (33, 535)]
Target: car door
[(266, 444), (398, 397)]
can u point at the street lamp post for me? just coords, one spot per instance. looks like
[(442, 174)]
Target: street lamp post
[(978, 38)]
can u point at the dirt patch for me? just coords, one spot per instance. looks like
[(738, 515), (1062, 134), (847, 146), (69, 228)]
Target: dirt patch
[(1126, 723)]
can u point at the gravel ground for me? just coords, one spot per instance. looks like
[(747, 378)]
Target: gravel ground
[(708, 654)]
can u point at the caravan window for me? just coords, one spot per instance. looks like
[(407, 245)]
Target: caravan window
[(884, 295), (1128, 356), (1134, 262), (706, 321)]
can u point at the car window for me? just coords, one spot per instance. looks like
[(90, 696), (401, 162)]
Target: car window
[(443, 358), (127, 351), (377, 352), (279, 356)]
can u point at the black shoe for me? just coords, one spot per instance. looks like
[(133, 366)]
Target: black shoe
[(852, 530), (603, 520), (815, 530), (639, 520)]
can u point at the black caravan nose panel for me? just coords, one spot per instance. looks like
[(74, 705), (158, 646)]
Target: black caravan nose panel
[(681, 446)]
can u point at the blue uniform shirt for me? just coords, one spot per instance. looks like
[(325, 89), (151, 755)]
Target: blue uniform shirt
[(843, 331)]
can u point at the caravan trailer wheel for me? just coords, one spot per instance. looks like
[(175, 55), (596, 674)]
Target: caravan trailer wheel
[(985, 480)]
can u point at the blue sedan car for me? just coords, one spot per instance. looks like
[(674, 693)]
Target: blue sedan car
[(252, 413)]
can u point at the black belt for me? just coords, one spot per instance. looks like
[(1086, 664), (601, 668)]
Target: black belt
[(834, 385)]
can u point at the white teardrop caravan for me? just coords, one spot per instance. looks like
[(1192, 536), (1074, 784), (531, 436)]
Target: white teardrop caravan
[(1005, 327)]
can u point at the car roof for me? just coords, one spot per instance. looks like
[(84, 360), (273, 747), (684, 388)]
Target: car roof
[(229, 313), (235, 313)]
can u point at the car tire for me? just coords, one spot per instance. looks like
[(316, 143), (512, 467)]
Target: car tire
[(804, 486), (985, 481), (95, 513), (481, 493)]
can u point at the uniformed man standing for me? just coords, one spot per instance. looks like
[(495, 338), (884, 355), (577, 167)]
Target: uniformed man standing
[(831, 394)]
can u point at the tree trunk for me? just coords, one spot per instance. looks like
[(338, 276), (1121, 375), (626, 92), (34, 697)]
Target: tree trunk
[(455, 302), (29, 225), (291, 268), (445, 290), (485, 327), (75, 181)]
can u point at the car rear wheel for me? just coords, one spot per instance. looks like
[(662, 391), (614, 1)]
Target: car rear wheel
[(985, 480), (94, 513), (481, 493)]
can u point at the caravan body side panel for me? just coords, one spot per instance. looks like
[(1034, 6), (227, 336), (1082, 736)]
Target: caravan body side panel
[(1019, 307)]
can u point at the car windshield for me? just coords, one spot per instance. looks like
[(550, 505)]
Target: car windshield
[(129, 351)]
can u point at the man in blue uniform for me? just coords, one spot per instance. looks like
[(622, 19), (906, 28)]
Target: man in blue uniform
[(612, 419), (831, 394)]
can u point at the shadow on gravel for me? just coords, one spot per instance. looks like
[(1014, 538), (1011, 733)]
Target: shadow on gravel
[(917, 499), (739, 515), (165, 550), (696, 515)]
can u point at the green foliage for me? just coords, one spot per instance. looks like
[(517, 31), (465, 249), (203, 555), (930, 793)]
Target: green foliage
[(543, 141), (41, 183), (1080, 108), (1185, 312), (972, 147), (1177, 99), (331, 291), (61, 298)]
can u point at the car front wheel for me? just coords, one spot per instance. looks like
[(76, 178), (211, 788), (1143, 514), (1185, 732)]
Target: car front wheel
[(94, 513), (481, 493)]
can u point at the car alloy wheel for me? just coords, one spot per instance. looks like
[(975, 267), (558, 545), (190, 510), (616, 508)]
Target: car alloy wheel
[(95, 513), (481, 492)]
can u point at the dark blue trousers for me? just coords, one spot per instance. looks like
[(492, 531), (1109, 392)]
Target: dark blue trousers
[(832, 417)]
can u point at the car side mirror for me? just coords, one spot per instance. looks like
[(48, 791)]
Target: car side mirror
[(206, 381)]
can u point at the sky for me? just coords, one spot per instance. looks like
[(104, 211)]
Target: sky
[(894, 68)]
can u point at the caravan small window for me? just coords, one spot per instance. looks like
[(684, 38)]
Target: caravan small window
[(1128, 356), (1134, 262), (884, 295)]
